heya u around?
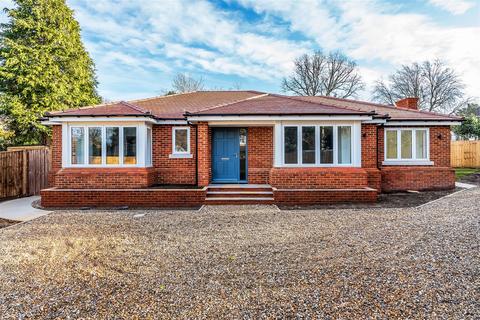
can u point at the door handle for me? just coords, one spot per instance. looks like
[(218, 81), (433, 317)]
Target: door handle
[(236, 155)]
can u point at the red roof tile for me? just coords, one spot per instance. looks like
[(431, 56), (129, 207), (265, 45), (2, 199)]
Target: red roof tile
[(393, 112), (247, 103), (272, 104)]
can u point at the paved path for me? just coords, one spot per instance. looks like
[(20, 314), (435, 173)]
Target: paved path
[(20, 209)]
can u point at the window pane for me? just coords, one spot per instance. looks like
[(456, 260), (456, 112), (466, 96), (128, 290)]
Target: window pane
[(113, 145), (95, 145), (308, 145), (243, 154), (149, 146), (344, 145), (130, 145), (326, 144), (78, 145), (406, 147), (421, 144), (181, 140), (291, 147), (392, 145)]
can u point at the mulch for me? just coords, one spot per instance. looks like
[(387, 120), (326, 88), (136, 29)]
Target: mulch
[(6, 223), (471, 178)]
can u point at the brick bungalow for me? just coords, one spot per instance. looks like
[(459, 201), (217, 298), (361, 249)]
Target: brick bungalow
[(235, 147)]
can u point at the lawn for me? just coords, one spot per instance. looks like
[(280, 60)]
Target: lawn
[(246, 262), (462, 172)]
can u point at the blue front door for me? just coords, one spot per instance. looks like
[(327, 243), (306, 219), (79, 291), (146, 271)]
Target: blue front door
[(225, 155)]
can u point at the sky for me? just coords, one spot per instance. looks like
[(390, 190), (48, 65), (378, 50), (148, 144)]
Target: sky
[(139, 45)]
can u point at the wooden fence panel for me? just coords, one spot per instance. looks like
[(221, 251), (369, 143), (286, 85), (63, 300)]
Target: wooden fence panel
[(11, 167), (23, 171), (465, 154)]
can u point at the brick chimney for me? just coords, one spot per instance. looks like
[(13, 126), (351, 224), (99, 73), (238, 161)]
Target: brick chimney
[(407, 103)]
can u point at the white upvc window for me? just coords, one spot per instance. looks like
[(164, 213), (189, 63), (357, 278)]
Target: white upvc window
[(320, 145), (107, 145), (180, 142), (407, 146)]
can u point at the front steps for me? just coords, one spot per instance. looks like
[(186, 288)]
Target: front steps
[(237, 194)]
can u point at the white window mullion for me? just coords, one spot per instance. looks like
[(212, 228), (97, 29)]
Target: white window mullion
[(87, 144)]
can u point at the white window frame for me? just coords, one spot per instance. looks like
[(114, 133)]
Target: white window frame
[(355, 145), (411, 161), (141, 141), (176, 154)]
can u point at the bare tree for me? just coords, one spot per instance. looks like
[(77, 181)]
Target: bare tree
[(437, 86), (329, 75), (182, 83)]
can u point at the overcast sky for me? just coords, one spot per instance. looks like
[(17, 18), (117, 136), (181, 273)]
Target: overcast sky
[(139, 45)]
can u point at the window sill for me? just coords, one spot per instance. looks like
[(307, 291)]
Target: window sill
[(407, 163), (180, 156)]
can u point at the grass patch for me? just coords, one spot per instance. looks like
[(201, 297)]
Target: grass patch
[(462, 172)]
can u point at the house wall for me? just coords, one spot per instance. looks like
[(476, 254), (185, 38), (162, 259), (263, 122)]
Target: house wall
[(260, 154), (172, 170), (439, 176)]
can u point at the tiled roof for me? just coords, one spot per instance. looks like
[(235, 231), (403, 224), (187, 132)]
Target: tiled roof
[(273, 104), (393, 112), (204, 103), (121, 108)]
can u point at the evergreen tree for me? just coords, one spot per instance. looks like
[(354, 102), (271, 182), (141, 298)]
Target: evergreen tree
[(43, 67)]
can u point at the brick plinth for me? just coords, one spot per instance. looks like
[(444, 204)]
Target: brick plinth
[(292, 197), (417, 178), (162, 198), (318, 178), (111, 178)]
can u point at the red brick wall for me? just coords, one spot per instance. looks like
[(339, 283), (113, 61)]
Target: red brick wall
[(204, 154), (438, 176), (369, 155), (318, 178), (310, 197), (112, 178), (172, 170), (56, 152), (166, 198), (260, 154)]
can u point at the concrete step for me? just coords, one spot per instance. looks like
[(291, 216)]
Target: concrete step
[(239, 187), (239, 201), (239, 194)]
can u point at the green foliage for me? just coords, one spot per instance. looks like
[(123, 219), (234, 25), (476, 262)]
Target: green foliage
[(43, 67), (470, 128)]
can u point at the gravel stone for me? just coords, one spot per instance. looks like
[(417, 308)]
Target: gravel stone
[(246, 262)]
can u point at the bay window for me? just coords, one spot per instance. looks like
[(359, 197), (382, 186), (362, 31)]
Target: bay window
[(406, 145), (107, 145), (318, 145)]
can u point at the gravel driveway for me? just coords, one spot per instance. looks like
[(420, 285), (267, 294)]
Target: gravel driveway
[(246, 262)]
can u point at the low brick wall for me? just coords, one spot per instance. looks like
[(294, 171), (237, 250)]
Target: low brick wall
[(318, 178), (417, 178), (162, 198), (104, 178), (293, 197)]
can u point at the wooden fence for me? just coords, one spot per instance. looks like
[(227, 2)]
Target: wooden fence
[(23, 171), (465, 154)]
